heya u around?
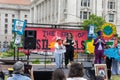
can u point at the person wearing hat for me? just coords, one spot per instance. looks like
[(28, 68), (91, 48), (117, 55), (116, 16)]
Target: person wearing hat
[(59, 49), (18, 71), (99, 44)]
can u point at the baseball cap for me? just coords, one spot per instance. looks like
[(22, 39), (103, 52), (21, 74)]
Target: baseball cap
[(18, 66)]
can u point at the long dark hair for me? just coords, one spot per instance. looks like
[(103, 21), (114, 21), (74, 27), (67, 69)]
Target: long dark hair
[(76, 70), (58, 74), (70, 34)]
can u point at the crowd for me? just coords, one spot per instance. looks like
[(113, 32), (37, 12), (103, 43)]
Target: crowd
[(75, 73)]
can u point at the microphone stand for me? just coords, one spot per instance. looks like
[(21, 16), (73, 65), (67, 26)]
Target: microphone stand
[(46, 50)]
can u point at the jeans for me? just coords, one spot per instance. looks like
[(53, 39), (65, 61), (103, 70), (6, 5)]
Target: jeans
[(58, 60)]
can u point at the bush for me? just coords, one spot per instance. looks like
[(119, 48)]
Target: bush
[(10, 53), (36, 61)]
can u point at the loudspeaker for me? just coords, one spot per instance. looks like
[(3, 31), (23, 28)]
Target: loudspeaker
[(30, 39), (42, 75)]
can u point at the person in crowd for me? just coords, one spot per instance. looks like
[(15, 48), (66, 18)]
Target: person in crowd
[(58, 74), (59, 50), (99, 44), (18, 72), (2, 75), (99, 78), (76, 72), (69, 43)]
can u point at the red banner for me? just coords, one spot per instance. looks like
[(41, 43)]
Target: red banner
[(46, 37)]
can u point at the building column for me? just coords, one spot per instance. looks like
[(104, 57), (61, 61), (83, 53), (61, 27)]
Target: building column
[(71, 11), (35, 13), (59, 11)]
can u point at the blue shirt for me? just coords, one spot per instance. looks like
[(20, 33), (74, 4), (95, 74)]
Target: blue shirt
[(18, 77)]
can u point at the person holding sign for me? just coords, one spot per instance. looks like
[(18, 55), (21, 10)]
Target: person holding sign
[(99, 44)]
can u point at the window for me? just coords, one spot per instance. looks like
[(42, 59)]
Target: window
[(6, 26), (12, 20), (111, 5), (85, 3), (111, 17), (80, 14), (6, 31), (84, 14), (6, 20), (13, 15), (6, 15), (25, 16)]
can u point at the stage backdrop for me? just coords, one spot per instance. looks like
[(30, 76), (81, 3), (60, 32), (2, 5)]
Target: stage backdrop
[(46, 37)]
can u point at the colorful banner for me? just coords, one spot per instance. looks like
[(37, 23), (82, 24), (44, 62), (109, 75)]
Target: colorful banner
[(46, 37), (91, 31), (113, 53), (19, 26), (18, 41), (109, 30), (89, 47)]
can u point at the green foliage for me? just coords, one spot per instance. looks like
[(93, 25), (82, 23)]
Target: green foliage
[(36, 61), (11, 45), (10, 53), (47, 62), (93, 19)]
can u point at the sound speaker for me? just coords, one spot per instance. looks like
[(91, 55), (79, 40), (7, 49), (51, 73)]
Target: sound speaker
[(30, 39), (42, 75)]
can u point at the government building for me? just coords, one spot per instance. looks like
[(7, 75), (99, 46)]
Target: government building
[(74, 12), (10, 10)]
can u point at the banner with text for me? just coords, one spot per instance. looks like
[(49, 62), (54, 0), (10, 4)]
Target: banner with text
[(46, 38)]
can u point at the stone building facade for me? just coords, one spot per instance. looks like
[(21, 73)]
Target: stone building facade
[(74, 11), (9, 10)]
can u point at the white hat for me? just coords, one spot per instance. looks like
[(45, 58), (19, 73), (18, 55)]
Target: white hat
[(58, 38)]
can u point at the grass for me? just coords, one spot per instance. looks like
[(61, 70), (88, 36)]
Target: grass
[(115, 77)]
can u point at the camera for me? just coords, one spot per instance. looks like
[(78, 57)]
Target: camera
[(27, 68)]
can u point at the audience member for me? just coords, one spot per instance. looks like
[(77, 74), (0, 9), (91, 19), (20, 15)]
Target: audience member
[(58, 74), (99, 78), (2, 76), (76, 72), (18, 72)]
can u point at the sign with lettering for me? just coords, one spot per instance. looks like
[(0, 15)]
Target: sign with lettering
[(46, 37)]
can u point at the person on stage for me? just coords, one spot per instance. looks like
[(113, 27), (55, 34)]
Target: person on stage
[(59, 50), (99, 44), (69, 43), (116, 63)]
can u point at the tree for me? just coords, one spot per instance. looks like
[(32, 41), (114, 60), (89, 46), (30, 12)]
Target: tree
[(93, 19)]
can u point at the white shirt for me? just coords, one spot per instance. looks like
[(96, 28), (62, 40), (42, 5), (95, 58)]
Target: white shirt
[(76, 78), (100, 46), (59, 49)]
